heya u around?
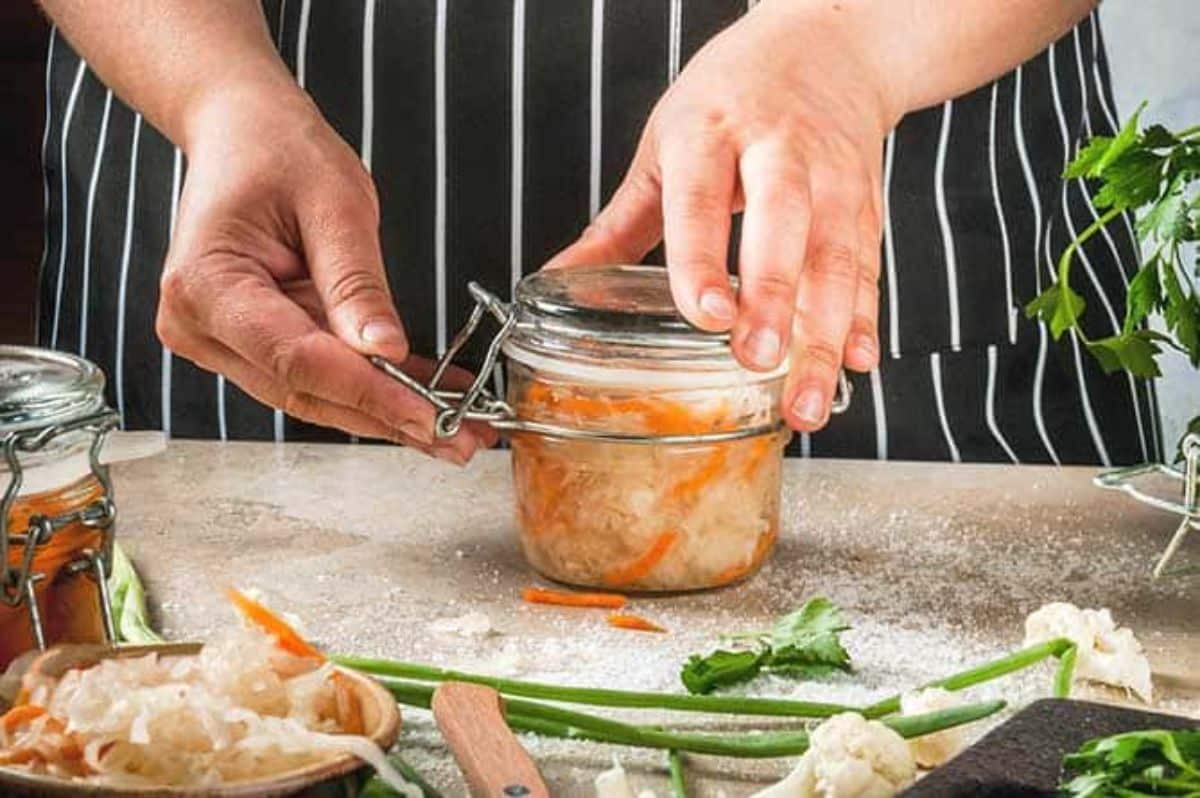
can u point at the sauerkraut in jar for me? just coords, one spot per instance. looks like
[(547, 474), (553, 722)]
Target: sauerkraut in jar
[(691, 501)]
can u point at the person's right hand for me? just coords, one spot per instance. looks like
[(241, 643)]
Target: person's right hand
[(275, 277)]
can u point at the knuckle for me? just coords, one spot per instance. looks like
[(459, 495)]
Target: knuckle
[(699, 203), (776, 286), (351, 285), (822, 356), (834, 260), (300, 405), (286, 359)]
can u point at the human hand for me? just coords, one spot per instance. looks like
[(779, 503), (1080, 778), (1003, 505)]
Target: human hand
[(783, 116), (275, 277)]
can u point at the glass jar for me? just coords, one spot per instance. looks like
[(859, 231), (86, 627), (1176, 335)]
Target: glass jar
[(57, 508), (603, 349), (645, 457)]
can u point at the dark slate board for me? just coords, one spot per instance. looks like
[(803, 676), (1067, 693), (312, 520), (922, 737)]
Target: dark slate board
[(1022, 757)]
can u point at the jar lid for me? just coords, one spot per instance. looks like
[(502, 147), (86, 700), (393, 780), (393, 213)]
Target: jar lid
[(41, 388), (627, 310)]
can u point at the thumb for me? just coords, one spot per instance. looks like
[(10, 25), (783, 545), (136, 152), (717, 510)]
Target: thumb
[(346, 266), (625, 230)]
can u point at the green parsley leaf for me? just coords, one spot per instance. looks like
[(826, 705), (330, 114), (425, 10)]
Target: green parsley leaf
[(1125, 140), (1139, 763), (702, 675), (1087, 160), (1144, 295), (1133, 352), (1132, 181), (1158, 137), (1168, 218), (1057, 307)]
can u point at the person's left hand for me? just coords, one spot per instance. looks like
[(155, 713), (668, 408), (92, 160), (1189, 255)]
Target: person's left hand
[(782, 115)]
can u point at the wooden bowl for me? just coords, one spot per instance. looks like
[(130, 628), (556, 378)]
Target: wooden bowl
[(340, 777)]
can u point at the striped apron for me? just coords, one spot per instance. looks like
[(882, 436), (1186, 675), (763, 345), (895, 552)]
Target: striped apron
[(495, 130)]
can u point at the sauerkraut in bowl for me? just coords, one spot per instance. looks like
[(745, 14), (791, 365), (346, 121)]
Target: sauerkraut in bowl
[(645, 517), (240, 710)]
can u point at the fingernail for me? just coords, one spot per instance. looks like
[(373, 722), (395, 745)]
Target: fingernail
[(450, 456), (809, 406), (418, 432), (717, 304), (764, 348), (381, 332)]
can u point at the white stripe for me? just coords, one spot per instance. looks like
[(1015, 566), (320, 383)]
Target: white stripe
[(45, 175), (278, 419), (1068, 153), (1039, 373), (222, 421), (1010, 306), (1109, 115), (935, 368), (1093, 425), (123, 280), (302, 43), (368, 82), (1112, 246), (279, 28), (881, 435), (87, 226), (939, 195), (1060, 114), (176, 178), (62, 248), (439, 212), (517, 201), (889, 248), (805, 445), (991, 405), (597, 98), (674, 39), (1084, 398)]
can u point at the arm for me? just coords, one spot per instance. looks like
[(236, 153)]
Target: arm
[(274, 275), (783, 115)]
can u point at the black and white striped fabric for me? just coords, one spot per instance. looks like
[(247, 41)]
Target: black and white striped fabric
[(495, 130)]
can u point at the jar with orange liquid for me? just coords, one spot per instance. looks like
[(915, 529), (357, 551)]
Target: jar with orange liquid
[(645, 457), (57, 508)]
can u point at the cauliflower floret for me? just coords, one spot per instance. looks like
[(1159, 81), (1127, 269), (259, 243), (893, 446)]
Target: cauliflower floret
[(932, 750), (1106, 653), (849, 757), (612, 783)]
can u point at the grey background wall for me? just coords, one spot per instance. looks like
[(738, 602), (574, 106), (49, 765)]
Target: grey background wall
[(1152, 48)]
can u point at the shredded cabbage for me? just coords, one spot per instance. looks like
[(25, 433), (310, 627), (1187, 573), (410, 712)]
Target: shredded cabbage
[(241, 709)]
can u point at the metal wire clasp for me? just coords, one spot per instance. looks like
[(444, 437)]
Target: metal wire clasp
[(18, 582), (1123, 479), (477, 403)]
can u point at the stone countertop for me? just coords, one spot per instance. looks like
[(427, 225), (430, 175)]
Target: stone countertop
[(937, 566)]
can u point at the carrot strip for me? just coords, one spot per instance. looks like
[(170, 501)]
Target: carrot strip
[(644, 564), (346, 704), (20, 715), (635, 622), (285, 636), (688, 487), (539, 595)]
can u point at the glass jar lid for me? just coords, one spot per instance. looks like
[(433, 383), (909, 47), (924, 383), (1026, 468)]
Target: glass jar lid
[(622, 316), (42, 388)]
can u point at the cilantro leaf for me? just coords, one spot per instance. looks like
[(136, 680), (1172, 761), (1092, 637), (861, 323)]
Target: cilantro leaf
[(804, 644), (1168, 218), (1087, 160), (1158, 137), (1132, 181), (1059, 306), (702, 675), (1152, 762), (806, 641), (1125, 139)]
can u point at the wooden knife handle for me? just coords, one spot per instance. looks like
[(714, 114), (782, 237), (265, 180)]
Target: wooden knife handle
[(471, 720)]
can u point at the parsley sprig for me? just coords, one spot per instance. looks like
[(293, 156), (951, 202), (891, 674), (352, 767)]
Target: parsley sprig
[(1155, 173), (804, 644), (1140, 763)]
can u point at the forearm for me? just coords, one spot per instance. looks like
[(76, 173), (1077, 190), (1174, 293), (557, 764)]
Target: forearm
[(171, 58), (922, 52)]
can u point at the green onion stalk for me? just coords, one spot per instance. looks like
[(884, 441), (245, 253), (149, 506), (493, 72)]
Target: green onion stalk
[(675, 769), (554, 721)]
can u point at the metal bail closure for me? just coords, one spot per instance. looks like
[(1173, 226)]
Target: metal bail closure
[(478, 403), (1124, 479), (18, 582)]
